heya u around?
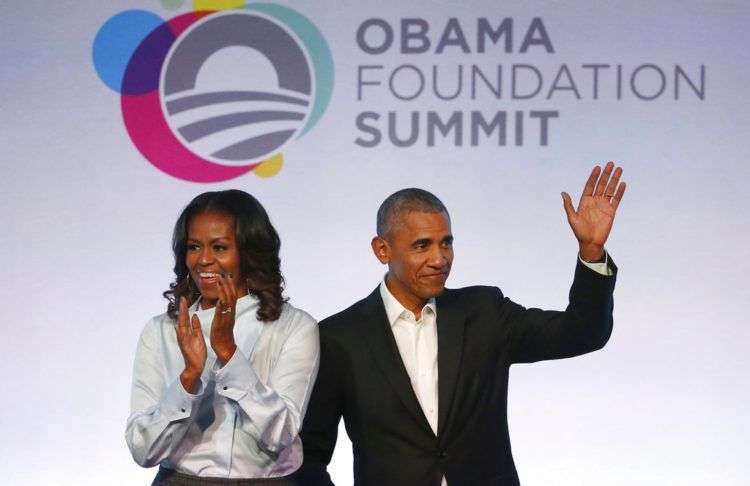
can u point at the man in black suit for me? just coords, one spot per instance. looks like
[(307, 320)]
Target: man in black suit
[(420, 372)]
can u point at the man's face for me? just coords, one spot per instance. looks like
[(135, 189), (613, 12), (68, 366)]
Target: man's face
[(419, 254)]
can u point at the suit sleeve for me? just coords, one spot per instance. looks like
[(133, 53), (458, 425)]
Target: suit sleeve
[(320, 428), (584, 326)]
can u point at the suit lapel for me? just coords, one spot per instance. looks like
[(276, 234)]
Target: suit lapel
[(379, 337), (450, 328)]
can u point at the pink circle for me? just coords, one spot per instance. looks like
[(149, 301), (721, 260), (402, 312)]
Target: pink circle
[(152, 136)]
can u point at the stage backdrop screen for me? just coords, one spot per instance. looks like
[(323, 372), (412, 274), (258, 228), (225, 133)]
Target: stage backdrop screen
[(116, 114)]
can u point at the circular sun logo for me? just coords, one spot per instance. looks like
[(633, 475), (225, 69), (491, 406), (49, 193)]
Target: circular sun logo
[(212, 94)]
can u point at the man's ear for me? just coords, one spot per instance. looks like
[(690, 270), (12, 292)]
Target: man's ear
[(381, 249)]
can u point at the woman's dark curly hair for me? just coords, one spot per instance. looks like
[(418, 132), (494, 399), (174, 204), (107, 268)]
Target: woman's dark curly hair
[(257, 242)]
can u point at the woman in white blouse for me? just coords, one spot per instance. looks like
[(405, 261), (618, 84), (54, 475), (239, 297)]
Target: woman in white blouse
[(222, 379)]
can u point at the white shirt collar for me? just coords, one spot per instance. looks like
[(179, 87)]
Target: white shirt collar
[(394, 309)]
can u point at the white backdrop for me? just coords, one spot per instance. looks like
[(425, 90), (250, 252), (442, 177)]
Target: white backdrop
[(88, 220)]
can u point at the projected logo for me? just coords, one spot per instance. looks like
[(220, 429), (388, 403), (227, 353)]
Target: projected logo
[(212, 94)]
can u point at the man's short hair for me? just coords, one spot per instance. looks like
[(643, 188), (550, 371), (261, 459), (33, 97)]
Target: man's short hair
[(401, 203)]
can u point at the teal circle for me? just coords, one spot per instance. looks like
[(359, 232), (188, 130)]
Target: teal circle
[(318, 49), (116, 42)]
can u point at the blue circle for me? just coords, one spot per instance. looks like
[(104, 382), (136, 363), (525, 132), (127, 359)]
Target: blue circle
[(116, 42)]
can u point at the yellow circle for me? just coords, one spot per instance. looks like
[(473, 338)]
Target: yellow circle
[(217, 4), (270, 167)]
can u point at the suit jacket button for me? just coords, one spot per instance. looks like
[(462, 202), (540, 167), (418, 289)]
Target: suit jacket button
[(442, 454)]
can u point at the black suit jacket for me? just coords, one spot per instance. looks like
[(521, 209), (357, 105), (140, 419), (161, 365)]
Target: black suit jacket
[(480, 334)]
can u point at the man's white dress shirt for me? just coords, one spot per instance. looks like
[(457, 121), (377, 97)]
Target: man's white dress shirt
[(418, 345), (244, 420)]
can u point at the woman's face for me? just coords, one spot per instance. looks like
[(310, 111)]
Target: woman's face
[(212, 249)]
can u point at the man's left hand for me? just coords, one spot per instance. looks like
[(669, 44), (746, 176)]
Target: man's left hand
[(592, 221)]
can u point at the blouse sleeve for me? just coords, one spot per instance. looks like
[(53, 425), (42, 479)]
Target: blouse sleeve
[(160, 412), (272, 412)]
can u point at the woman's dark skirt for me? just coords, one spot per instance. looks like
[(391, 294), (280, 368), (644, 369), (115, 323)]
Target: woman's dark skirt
[(169, 477)]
